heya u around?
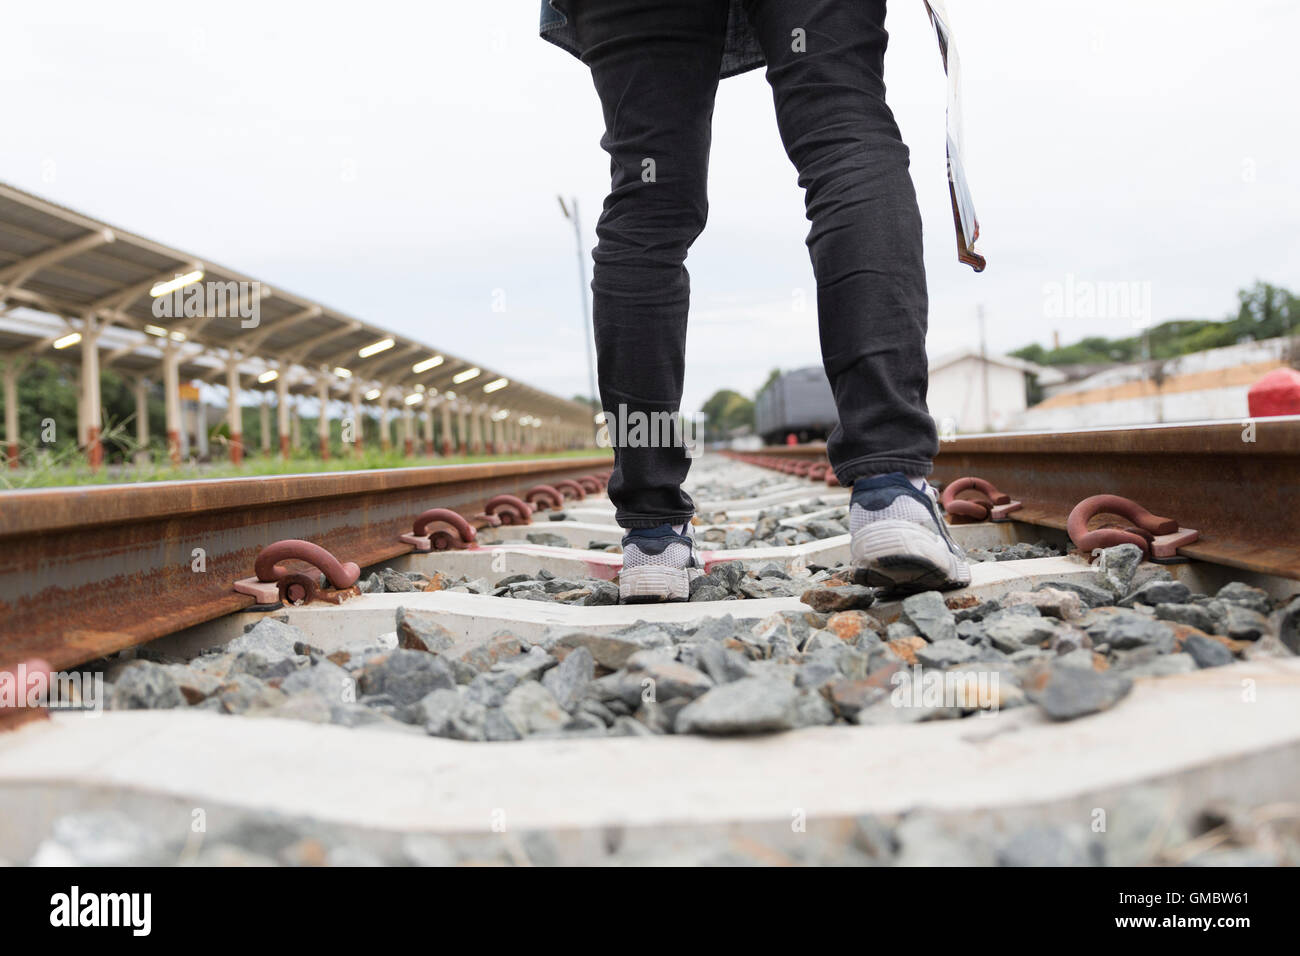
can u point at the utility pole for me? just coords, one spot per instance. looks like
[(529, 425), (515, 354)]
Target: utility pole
[(984, 369), (586, 308)]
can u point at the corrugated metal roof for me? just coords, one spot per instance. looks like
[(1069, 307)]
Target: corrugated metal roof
[(90, 278)]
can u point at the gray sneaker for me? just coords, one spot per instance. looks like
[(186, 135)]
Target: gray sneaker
[(658, 564), (900, 540)]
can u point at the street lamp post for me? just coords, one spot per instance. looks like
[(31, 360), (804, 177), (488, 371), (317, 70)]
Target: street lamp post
[(586, 308)]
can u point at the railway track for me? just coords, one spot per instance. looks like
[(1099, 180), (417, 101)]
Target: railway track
[(492, 702), (89, 571)]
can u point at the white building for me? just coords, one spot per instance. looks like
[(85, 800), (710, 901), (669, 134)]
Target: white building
[(1200, 386), (970, 393)]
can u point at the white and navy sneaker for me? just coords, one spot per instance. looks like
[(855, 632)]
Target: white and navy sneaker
[(899, 539), (658, 564)]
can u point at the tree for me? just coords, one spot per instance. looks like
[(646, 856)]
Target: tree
[(47, 393), (727, 410), (772, 376), (1265, 311)]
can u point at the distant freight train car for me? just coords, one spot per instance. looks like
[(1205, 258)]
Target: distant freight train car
[(798, 403)]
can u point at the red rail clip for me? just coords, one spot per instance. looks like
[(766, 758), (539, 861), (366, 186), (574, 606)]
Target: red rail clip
[(570, 489), (1157, 537), (455, 535), (995, 506), (542, 497), (507, 509), (272, 582)]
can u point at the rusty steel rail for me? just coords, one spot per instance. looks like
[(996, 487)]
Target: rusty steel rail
[(814, 450), (92, 570), (1242, 495)]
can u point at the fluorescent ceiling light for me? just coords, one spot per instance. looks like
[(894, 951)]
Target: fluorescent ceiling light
[(374, 348), (342, 372), (180, 282), (270, 375), (157, 330), (72, 338), (427, 364), (461, 377), (497, 385), (414, 398), (373, 394)]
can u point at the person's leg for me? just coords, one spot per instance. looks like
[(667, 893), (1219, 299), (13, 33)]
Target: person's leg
[(826, 63), (655, 67), (826, 68)]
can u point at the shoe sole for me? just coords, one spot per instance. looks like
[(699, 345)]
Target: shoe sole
[(902, 557), (650, 584)]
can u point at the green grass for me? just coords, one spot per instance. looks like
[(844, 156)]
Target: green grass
[(45, 469)]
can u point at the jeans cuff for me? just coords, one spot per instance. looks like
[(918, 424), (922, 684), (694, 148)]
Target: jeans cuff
[(850, 471), (652, 521)]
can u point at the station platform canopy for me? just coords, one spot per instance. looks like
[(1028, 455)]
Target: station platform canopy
[(67, 280)]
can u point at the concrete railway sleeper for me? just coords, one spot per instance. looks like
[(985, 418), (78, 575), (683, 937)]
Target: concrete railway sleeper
[(786, 713)]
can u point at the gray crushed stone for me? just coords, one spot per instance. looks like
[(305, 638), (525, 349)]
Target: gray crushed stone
[(1140, 831), (1058, 648), (1066, 649)]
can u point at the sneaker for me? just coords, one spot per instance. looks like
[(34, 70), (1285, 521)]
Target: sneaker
[(899, 538), (658, 564)]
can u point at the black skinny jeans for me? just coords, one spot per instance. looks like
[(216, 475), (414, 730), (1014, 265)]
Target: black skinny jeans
[(655, 65)]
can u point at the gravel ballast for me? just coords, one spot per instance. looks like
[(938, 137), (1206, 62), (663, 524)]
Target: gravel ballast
[(1067, 650)]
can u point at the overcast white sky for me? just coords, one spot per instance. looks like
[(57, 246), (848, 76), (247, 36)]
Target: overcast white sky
[(400, 161)]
